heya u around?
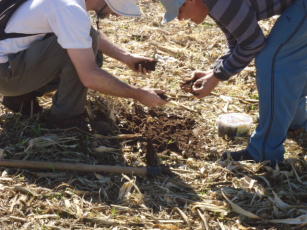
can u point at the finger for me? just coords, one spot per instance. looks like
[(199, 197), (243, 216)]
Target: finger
[(162, 102), (200, 74), (159, 91), (140, 67), (148, 59), (208, 72), (200, 93), (186, 81), (197, 75), (195, 94), (145, 71), (193, 77), (163, 96), (200, 96), (135, 66), (198, 85), (158, 102)]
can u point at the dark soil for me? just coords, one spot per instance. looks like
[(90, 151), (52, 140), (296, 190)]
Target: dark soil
[(187, 86), (163, 133)]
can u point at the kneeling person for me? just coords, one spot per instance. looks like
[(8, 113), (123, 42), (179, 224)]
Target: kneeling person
[(50, 44)]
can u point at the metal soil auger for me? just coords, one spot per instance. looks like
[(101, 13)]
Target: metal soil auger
[(150, 170), (138, 171)]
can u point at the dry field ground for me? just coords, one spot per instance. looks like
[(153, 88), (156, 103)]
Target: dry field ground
[(202, 192)]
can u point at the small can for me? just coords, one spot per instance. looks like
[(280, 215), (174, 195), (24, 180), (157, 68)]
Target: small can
[(233, 125)]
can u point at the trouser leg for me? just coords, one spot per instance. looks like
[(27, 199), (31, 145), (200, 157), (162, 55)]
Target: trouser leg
[(281, 79), (300, 118), (53, 85), (33, 68), (70, 97), (39, 68)]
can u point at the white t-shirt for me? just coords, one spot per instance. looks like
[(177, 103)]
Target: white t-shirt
[(67, 19)]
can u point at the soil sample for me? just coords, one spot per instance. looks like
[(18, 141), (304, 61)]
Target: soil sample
[(187, 86), (163, 96), (233, 125), (148, 65)]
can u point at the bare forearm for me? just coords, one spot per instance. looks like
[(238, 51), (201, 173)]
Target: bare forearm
[(97, 79), (111, 49), (105, 83)]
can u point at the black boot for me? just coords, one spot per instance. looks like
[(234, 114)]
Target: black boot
[(78, 122), (26, 104), (242, 155)]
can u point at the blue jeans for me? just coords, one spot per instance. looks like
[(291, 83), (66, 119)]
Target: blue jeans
[(282, 84)]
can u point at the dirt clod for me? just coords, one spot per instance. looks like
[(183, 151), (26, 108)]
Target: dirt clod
[(187, 86), (163, 96), (148, 65)]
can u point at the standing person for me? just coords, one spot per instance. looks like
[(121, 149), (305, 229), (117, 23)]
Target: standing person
[(50, 44), (281, 63)]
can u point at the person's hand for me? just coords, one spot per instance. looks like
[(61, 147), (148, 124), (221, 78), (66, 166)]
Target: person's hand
[(205, 83), (199, 74), (150, 97), (138, 63), (187, 84)]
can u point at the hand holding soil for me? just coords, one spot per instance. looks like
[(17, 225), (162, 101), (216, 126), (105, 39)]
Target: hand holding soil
[(147, 65), (151, 97), (187, 84), (205, 85), (201, 84), (163, 96), (139, 63)]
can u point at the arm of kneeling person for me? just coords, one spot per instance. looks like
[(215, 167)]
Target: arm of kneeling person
[(133, 61), (110, 49), (95, 78)]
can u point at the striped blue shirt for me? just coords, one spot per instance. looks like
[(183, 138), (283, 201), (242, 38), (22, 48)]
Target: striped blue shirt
[(238, 19)]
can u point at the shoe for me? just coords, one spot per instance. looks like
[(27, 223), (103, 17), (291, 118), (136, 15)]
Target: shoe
[(26, 104), (242, 155), (103, 127), (78, 121), (99, 59)]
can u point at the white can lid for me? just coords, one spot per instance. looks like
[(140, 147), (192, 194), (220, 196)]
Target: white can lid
[(235, 119)]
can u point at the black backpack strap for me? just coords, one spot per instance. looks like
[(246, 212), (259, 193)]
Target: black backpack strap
[(7, 9), (13, 35)]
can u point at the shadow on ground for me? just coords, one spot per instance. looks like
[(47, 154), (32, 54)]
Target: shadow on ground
[(262, 195), (27, 139), (300, 137)]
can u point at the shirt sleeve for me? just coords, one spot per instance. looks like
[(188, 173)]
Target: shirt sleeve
[(71, 24), (244, 35)]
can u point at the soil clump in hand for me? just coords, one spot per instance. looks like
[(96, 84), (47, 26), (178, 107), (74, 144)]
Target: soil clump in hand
[(187, 86), (148, 65)]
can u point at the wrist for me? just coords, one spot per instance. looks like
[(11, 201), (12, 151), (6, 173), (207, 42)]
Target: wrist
[(220, 74), (216, 78), (136, 93), (124, 57)]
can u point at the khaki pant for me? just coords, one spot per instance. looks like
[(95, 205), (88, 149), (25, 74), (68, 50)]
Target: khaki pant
[(43, 67)]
